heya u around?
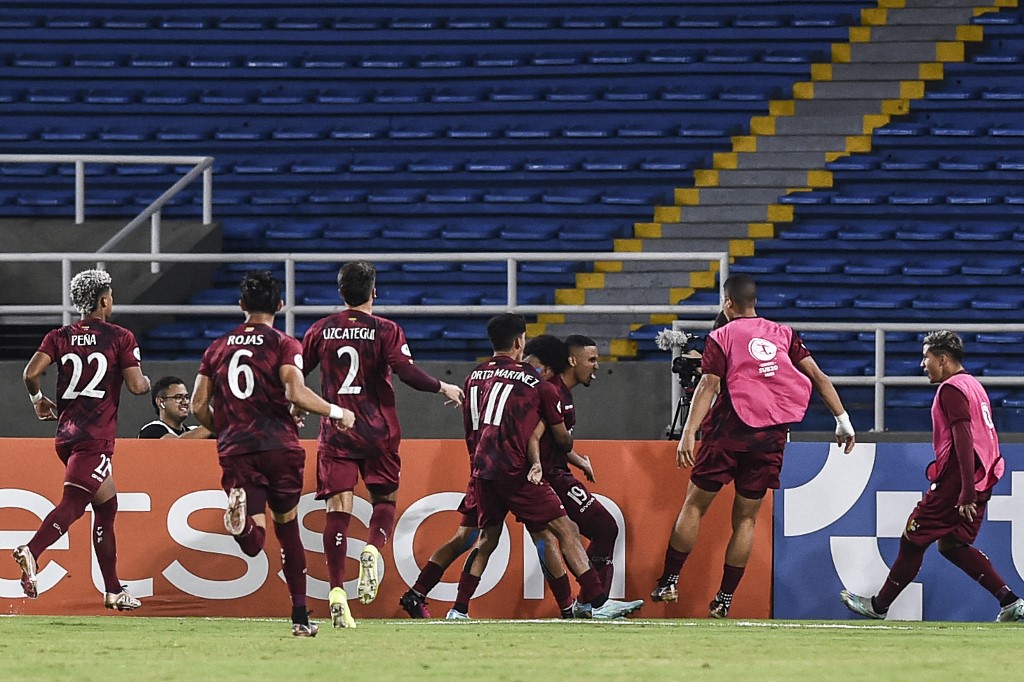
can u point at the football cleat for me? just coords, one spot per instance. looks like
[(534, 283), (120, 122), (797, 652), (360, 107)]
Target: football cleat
[(457, 615), (860, 605), (341, 615), (665, 593), (616, 609), (27, 562), (234, 516), (368, 578), (305, 629), (414, 605), (1012, 613), (719, 606), (581, 610), (121, 601)]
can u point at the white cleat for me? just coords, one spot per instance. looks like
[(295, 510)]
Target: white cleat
[(27, 562), (860, 605), (121, 601), (341, 615), (616, 609), (234, 517), (1012, 613), (368, 576), (305, 629), (457, 615)]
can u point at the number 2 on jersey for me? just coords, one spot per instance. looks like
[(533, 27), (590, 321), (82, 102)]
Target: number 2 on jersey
[(495, 407), (90, 390), (353, 369)]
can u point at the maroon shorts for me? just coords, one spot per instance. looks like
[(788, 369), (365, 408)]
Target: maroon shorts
[(533, 505), (468, 507), (336, 473), (87, 463), (936, 516), (753, 472), (580, 505), (272, 477)]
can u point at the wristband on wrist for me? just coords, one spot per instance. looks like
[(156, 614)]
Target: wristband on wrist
[(336, 412), (37, 397), (843, 421)]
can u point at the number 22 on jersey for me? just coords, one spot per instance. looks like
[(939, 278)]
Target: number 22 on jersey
[(91, 389)]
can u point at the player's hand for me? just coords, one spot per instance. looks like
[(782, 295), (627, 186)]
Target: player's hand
[(968, 511), (299, 415), (347, 421), (453, 394), (684, 451), (46, 410), (587, 468), (845, 435), (535, 475)]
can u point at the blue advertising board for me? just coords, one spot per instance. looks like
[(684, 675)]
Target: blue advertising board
[(837, 523)]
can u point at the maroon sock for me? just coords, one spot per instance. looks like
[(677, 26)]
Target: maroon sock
[(70, 508), (105, 543), (293, 560), (467, 587), (602, 532), (902, 573), (335, 545), (674, 560), (429, 577), (252, 538), (974, 563), (382, 523), (731, 576), (591, 590), (562, 590)]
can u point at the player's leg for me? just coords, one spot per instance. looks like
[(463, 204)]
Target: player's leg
[(974, 563), (414, 601), (475, 565), (903, 571), (381, 477), (104, 541), (592, 594), (283, 471), (684, 537), (339, 515), (745, 508), (245, 517), (594, 521), (550, 554)]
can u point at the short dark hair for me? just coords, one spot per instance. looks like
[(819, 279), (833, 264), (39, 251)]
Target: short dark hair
[(578, 341), (945, 342), (742, 290), (261, 291), (161, 385), (356, 281), (720, 320), (504, 329), (550, 350)]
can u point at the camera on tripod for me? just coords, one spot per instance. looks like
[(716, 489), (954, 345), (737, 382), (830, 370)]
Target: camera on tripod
[(686, 367), (687, 370)]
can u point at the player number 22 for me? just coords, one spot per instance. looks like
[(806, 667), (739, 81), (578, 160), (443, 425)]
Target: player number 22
[(353, 369), (90, 390)]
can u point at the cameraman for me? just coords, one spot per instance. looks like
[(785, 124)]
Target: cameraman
[(769, 374)]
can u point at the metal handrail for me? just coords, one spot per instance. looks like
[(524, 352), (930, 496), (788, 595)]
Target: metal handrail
[(202, 165)]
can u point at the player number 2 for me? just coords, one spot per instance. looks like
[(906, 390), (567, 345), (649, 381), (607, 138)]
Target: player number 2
[(237, 370), (495, 408), (353, 369), (90, 390)]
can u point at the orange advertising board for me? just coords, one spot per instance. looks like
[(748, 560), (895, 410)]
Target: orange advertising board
[(173, 552)]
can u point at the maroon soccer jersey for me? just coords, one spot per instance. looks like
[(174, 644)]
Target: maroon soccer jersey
[(555, 395), (91, 356), (250, 411), (722, 425), (356, 353), (501, 410)]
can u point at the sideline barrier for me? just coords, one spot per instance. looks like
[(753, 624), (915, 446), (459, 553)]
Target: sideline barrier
[(173, 552)]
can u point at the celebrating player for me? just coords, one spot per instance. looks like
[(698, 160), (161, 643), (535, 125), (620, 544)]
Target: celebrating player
[(95, 356), (357, 351), (246, 380)]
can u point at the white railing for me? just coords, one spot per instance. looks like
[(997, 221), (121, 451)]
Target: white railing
[(201, 165), (879, 380), (291, 309)]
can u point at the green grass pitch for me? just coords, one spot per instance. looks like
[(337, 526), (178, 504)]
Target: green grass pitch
[(131, 648)]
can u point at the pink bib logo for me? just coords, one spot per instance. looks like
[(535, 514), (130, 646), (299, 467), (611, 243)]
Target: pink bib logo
[(762, 350)]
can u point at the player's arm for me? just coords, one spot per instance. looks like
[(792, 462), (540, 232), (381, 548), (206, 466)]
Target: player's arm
[(582, 462), (416, 378), (844, 429), (703, 396), (198, 433), (46, 409), (202, 392), (300, 395), (536, 474), (136, 381), (955, 406)]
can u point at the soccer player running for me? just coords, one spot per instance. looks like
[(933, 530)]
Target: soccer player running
[(763, 376), (357, 352), (94, 358), (967, 465), (503, 423), (246, 380), (565, 365)]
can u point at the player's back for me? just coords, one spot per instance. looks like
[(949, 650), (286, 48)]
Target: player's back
[(250, 410), (552, 456), (91, 356), (502, 409), (356, 351)]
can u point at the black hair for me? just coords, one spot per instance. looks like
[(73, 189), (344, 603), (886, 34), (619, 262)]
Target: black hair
[(742, 290), (162, 384), (578, 341), (356, 281), (720, 320), (550, 350), (261, 291), (945, 343), (504, 329)]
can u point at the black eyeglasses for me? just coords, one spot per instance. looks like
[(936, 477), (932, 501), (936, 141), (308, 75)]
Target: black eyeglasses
[(180, 397)]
